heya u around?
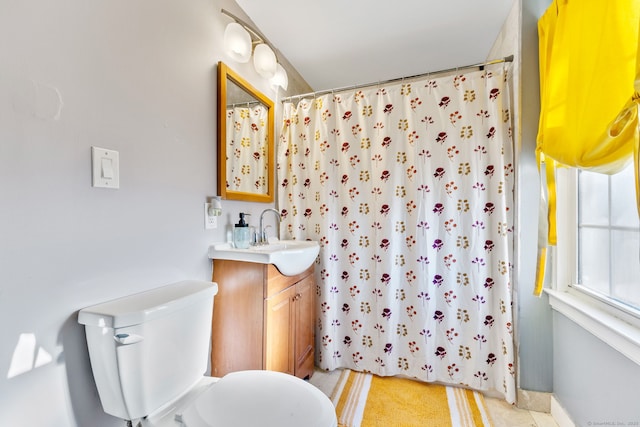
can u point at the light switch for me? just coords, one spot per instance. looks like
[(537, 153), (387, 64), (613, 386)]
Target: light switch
[(106, 168)]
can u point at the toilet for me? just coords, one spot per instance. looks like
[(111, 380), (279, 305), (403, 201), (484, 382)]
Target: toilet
[(149, 353)]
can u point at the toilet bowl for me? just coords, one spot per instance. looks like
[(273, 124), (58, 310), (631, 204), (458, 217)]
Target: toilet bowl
[(149, 353)]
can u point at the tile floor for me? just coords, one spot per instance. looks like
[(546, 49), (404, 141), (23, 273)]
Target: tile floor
[(502, 414), (505, 415)]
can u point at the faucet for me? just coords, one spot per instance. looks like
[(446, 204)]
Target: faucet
[(262, 238)]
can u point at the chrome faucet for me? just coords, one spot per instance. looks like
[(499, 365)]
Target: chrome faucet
[(262, 238)]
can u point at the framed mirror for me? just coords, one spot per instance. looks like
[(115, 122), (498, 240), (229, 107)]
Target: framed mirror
[(245, 140)]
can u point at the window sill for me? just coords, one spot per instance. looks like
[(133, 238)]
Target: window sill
[(617, 333)]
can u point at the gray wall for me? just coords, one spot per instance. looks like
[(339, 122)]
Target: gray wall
[(519, 37), (136, 77), (534, 313), (595, 384)]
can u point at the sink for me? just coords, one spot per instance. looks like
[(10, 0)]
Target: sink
[(291, 257)]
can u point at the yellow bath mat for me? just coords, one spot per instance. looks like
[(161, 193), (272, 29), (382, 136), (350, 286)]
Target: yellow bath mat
[(368, 400)]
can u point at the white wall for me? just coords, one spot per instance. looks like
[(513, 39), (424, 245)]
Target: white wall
[(133, 76)]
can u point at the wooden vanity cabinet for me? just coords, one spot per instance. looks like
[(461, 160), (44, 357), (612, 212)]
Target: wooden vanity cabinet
[(262, 319)]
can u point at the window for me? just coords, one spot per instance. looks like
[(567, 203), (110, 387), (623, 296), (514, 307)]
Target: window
[(608, 237), (596, 274)]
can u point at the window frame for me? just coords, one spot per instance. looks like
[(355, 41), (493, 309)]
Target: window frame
[(613, 322)]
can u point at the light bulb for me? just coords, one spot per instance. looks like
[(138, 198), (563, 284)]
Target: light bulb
[(264, 61), (280, 78), (237, 42)]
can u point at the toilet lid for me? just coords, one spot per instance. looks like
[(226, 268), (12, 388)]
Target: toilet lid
[(260, 398)]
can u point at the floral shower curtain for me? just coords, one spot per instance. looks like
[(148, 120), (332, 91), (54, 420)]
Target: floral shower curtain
[(408, 188), (248, 172)]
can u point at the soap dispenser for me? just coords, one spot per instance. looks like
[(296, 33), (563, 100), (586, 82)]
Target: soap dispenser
[(241, 233)]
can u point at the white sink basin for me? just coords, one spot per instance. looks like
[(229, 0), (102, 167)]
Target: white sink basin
[(291, 257)]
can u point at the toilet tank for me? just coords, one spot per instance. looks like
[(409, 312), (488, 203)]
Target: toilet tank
[(149, 348)]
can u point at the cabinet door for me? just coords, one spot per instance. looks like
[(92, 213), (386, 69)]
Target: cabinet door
[(279, 331), (305, 330), (238, 313)]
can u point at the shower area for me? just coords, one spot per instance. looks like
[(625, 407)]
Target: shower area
[(408, 186)]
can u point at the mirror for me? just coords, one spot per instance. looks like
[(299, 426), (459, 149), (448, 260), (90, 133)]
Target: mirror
[(245, 140)]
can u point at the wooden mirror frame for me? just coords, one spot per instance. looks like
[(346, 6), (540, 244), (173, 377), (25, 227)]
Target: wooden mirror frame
[(226, 74)]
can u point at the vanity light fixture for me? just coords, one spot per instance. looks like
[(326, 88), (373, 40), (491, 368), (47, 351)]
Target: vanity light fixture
[(239, 41)]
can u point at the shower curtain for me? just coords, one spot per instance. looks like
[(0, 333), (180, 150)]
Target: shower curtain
[(408, 187), (247, 141)]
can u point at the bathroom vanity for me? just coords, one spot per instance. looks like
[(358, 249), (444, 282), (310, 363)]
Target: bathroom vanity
[(262, 319)]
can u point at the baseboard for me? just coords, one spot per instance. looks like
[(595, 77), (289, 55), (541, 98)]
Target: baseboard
[(537, 401), (560, 415)]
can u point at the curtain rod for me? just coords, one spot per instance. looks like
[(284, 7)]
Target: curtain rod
[(326, 91), (243, 104)]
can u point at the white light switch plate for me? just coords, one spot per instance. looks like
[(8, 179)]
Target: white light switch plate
[(105, 168)]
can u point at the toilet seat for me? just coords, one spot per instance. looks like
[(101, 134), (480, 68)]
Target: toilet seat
[(255, 398)]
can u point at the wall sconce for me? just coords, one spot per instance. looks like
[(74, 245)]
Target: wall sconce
[(239, 41)]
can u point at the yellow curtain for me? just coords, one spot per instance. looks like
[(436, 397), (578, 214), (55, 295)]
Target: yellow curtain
[(590, 85)]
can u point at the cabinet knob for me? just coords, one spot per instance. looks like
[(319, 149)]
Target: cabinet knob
[(297, 297)]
